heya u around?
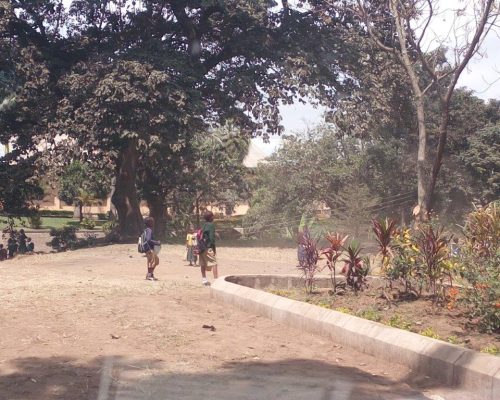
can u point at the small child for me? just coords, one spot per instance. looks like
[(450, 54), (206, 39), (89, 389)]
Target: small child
[(190, 246), (30, 246), (12, 247), (3, 253), (22, 242)]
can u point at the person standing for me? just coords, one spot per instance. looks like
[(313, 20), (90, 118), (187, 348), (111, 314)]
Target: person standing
[(3, 253), (207, 249), (190, 246), (22, 242), (149, 248)]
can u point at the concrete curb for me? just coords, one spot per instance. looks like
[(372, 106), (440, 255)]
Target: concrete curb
[(450, 364)]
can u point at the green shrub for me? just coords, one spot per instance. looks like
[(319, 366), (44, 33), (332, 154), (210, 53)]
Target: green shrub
[(370, 314), (35, 221), (63, 238), (491, 349), (480, 266), (56, 213), (398, 321), (109, 227), (87, 223), (430, 332), (453, 339)]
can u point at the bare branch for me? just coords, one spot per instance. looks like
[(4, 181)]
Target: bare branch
[(473, 46)]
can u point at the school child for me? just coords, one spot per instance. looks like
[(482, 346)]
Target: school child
[(3, 253), (207, 249), (30, 246), (22, 242), (190, 246), (11, 247), (149, 247)]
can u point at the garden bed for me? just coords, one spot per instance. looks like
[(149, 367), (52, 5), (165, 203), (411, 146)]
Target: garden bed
[(447, 323)]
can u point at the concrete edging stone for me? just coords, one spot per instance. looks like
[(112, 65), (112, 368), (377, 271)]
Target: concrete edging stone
[(450, 364)]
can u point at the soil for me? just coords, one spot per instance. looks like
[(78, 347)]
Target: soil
[(86, 325), (446, 322)]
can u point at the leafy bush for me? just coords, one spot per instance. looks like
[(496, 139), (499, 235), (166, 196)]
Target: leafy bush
[(56, 213), (355, 270), (403, 265), (87, 223), (370, 314), (109, 226), (63, 238), (482, 230), (430, 332), (491, 349), (35, 221), (480, 266), (482, 295), (398, 321)]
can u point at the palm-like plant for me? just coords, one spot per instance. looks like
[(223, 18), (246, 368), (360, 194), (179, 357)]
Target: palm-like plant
[(332, 254), (355, 270), (384, 230), (308, 261), (433, 246)]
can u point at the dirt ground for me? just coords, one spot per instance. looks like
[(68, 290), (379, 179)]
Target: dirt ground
[(86, 325)]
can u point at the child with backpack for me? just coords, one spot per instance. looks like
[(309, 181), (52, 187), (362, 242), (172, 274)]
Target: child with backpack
[(206, 247), (147, 245)]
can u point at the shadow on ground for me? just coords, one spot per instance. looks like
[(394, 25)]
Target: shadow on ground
[(118, 378)]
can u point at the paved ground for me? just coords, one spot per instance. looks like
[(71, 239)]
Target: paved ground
[(86, 325)]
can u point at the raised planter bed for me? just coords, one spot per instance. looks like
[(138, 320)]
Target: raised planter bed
[(451, 364)]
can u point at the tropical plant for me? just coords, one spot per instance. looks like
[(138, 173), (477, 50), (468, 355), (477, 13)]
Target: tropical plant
[(308, 262), (403, 266), (433, 256), (332, 254), (87, 223), (384, 230), (482, 230), (355, 269), (480, 261)]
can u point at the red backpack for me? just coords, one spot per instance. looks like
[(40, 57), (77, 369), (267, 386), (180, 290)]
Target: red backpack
[(201, 244)]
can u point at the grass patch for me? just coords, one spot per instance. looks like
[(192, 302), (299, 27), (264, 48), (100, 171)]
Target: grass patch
[(47, 222)]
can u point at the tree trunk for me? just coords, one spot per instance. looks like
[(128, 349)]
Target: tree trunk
[(80, 211), (157, 211), (421, 158), (438, 160), (197, 211), (125, 195)]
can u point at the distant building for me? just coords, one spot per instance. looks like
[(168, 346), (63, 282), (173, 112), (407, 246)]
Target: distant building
[(53, 203)]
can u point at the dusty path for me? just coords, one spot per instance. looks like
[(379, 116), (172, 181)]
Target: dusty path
[(86, 325)]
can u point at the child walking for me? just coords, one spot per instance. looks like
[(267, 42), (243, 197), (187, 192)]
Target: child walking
[(149, 247), (190, 246), (207, 250)]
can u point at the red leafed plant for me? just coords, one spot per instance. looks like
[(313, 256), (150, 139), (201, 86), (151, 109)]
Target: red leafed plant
[(384, 230), (308, 260), (332, 254), (355, 269)]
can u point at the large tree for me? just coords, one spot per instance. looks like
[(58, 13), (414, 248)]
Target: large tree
[(125, 79), (401, 30)]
